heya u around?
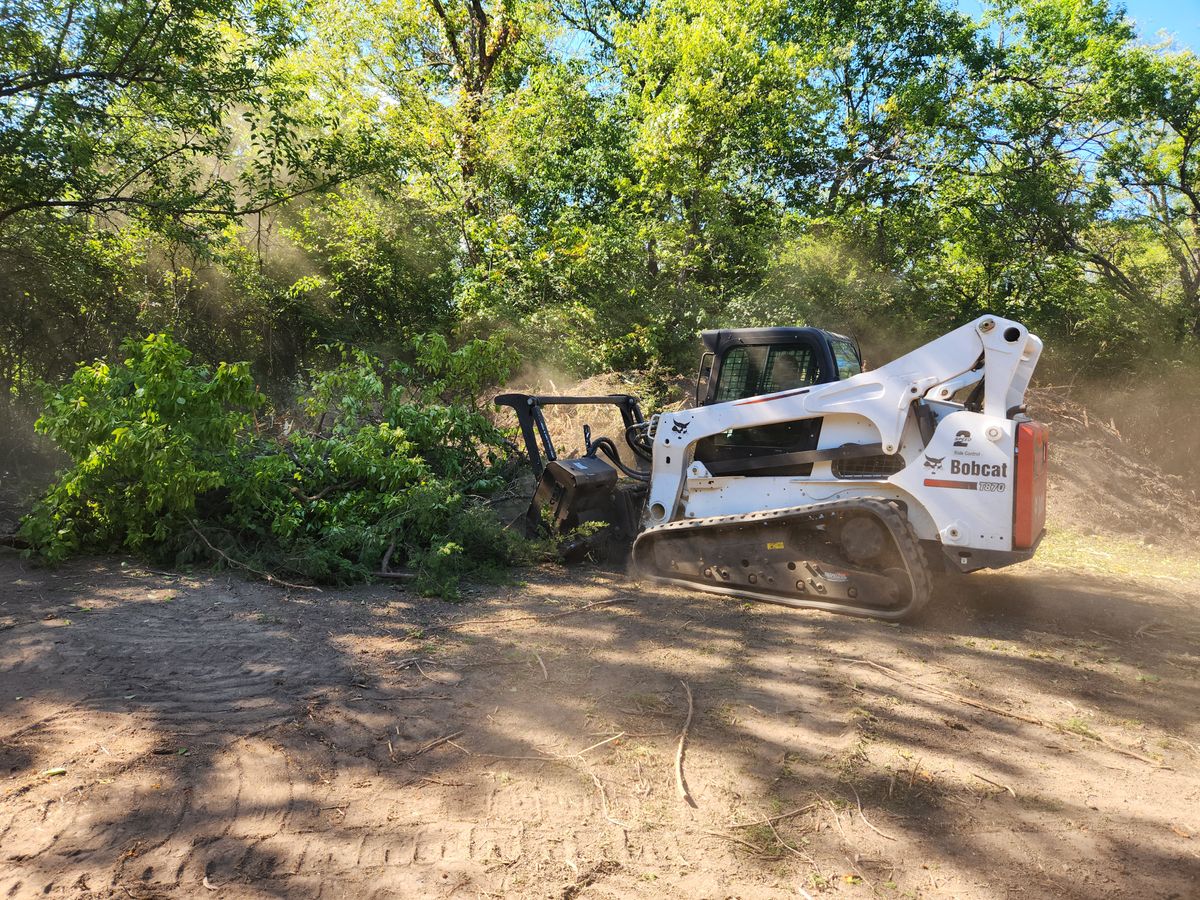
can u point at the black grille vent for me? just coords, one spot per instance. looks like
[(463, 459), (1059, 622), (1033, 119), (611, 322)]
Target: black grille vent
[(882, 466)]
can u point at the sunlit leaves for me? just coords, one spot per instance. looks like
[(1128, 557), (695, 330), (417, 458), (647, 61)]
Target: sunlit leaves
[(165, 451)]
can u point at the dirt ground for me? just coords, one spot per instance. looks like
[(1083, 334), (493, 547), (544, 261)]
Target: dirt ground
[(177, 736)]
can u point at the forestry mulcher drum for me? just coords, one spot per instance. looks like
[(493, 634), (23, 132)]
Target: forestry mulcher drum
[(798, 478)]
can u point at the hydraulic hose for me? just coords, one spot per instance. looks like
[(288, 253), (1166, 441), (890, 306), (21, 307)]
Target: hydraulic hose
[(610, 450), (637, 439)]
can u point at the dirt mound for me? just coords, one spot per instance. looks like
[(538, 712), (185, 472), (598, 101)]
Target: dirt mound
[(1102, 483)]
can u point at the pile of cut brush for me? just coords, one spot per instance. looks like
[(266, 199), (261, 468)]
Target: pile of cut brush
[(379, 466), (1056, 406), (1102, 481)]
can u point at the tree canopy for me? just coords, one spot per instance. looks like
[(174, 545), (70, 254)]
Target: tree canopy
[(596, 180)]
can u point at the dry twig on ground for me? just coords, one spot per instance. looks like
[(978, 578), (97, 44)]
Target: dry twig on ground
[(604, 802), (837, 820), (437, 743), (1003, 787), (607, 740), (761, 852), (784, 844), (680, 782), (862, 815), (767, 820), (555, 757)]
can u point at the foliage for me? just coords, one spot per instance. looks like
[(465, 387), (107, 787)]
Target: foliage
[(383, 259), (123, 106), (147, 438), (168, 461), (590, 181), (596, 180)]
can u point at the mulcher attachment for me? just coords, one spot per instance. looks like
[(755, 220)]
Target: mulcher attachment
[(859, 557), (581, 503)]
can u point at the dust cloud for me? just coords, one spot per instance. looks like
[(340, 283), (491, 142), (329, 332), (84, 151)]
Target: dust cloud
[(27, 463)]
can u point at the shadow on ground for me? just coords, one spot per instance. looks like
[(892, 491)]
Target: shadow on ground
[(222, 734)]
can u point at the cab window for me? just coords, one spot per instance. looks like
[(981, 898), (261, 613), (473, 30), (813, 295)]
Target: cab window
[(750, 371), (845, 354)]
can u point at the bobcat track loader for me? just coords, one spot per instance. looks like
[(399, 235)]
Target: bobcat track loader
[(799, 479)]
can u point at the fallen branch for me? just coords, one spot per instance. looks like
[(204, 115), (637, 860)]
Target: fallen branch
[(433, 744), (405, 575), (1003, 787), (319, 494), (680, 783), (271, 579), (1031, 720), (385, 572)]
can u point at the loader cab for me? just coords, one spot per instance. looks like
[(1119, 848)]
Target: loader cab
[(748, 362)]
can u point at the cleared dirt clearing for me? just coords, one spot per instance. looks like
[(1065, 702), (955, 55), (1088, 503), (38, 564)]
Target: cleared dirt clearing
[(222, 734)]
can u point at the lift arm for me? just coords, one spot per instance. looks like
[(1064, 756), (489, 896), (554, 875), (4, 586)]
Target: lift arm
[(884, 397)]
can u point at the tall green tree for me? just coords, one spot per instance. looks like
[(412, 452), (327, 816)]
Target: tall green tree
[(125, 107)]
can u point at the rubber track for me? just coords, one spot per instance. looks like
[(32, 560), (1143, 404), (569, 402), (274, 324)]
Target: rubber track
[(898, 525)]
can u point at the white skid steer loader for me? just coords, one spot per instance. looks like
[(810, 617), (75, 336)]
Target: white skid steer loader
[(799, 479)]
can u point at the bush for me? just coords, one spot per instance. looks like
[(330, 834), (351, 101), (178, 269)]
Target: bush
[(147, 438), (169, 462)]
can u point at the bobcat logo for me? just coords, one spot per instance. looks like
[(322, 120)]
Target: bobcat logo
[(962, 439), (680, 427), (933, 464)]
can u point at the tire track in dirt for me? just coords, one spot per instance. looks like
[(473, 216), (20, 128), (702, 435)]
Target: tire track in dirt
[(289, 786), (182, 685), (205, 770)]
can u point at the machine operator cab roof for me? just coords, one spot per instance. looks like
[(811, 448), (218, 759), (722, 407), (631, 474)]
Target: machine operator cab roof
[(747, 362)]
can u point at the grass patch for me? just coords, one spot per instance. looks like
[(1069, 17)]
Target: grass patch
[(1079, 726)]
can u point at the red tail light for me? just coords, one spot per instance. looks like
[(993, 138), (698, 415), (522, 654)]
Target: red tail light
[(1029, 507)]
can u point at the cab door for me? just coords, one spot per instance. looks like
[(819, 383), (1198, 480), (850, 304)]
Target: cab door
[(752, 370)]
